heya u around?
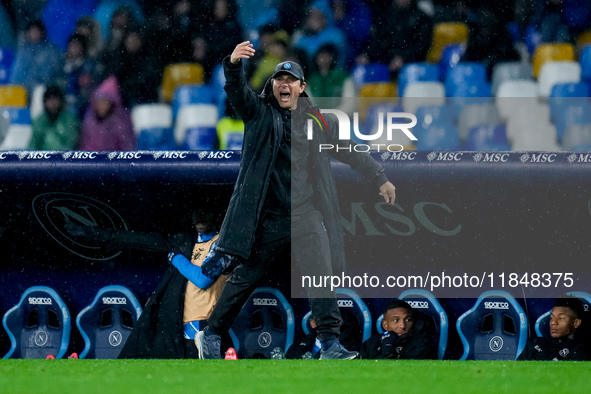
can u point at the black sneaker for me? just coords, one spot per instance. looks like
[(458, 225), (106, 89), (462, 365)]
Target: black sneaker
[(208, 345), (336, 351)]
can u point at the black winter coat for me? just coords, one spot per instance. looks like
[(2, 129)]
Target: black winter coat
[(263, 130)]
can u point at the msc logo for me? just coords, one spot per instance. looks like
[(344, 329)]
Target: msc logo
[(39, 301), (264, 301), (496, 305), (496, 343), (114, 300), (220, 154), (59, 212), (345, 303), (418, 304)]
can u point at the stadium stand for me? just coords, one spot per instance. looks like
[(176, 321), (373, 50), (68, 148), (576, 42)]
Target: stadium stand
[(39, 325), (446, 33), (152, 124), (192, 94), (551, 53), (180, 74), (195, 127), (19, 131), (6, 60), (416, 72), (495, 328), (106, 323), (557, 72), (13, 96), (265, 322), (509, 71)]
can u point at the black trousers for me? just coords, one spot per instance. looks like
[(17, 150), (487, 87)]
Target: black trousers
[(276, 236)]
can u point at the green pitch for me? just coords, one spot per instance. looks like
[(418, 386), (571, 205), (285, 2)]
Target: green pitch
[(292, 376)]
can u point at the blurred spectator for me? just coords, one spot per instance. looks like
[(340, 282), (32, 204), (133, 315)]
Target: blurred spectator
[(106, 10), (26, 11), (549, 21), (180, 31), (224, 30), (401, 35), (158, 35), (121, 22), (319, 29), (489, 42), (353, 17), (327, 79), (137, 70), (88, 27), (7, 32), (229, 128), (55, 128), (60, 17), (78, 75), (202, 55), (292, 14), (107, 124), (37, 60), (275, 52)]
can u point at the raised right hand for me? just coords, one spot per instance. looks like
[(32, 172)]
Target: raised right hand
[(244, 50)]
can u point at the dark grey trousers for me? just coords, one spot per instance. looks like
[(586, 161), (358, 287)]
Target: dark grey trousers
[(307, 239)]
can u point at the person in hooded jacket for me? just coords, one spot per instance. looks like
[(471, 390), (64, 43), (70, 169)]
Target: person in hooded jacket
[(285, 199), (408, 334), (107, 123)]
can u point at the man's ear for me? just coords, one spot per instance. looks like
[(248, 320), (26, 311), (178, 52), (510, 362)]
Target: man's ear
[(384, 324), (577, 323), (302, 86)]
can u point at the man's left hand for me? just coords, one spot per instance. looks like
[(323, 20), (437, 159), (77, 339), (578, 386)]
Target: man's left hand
[(388, 191)]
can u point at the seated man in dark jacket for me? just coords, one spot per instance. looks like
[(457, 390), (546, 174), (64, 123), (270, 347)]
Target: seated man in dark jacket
[(566, 341), (408, 334)]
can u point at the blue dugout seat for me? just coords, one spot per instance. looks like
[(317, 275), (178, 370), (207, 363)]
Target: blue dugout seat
[(425, 302), (542, 325), (106, 323), (39, 325), (265, 322), (495, 328), (356, 327)]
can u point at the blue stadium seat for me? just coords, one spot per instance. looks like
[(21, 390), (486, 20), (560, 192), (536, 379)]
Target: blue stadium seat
[(465, 73), (39, 325), (585, 61), (565, 94), (543, 322), (218, 80), (156, 138), (18, 115), (416, 72), (370, 73), (106, 323), (372, 119), (533, 39), (425, 302), (192, 94), (573, 113), (356, 317), (438, 137), (6, 60), (265, 322), (491, 137), (200, 138), (495, 328), (450, 58)]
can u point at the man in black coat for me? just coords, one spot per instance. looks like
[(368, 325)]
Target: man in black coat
[(566, 341), (284, 200), (408, 334)]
